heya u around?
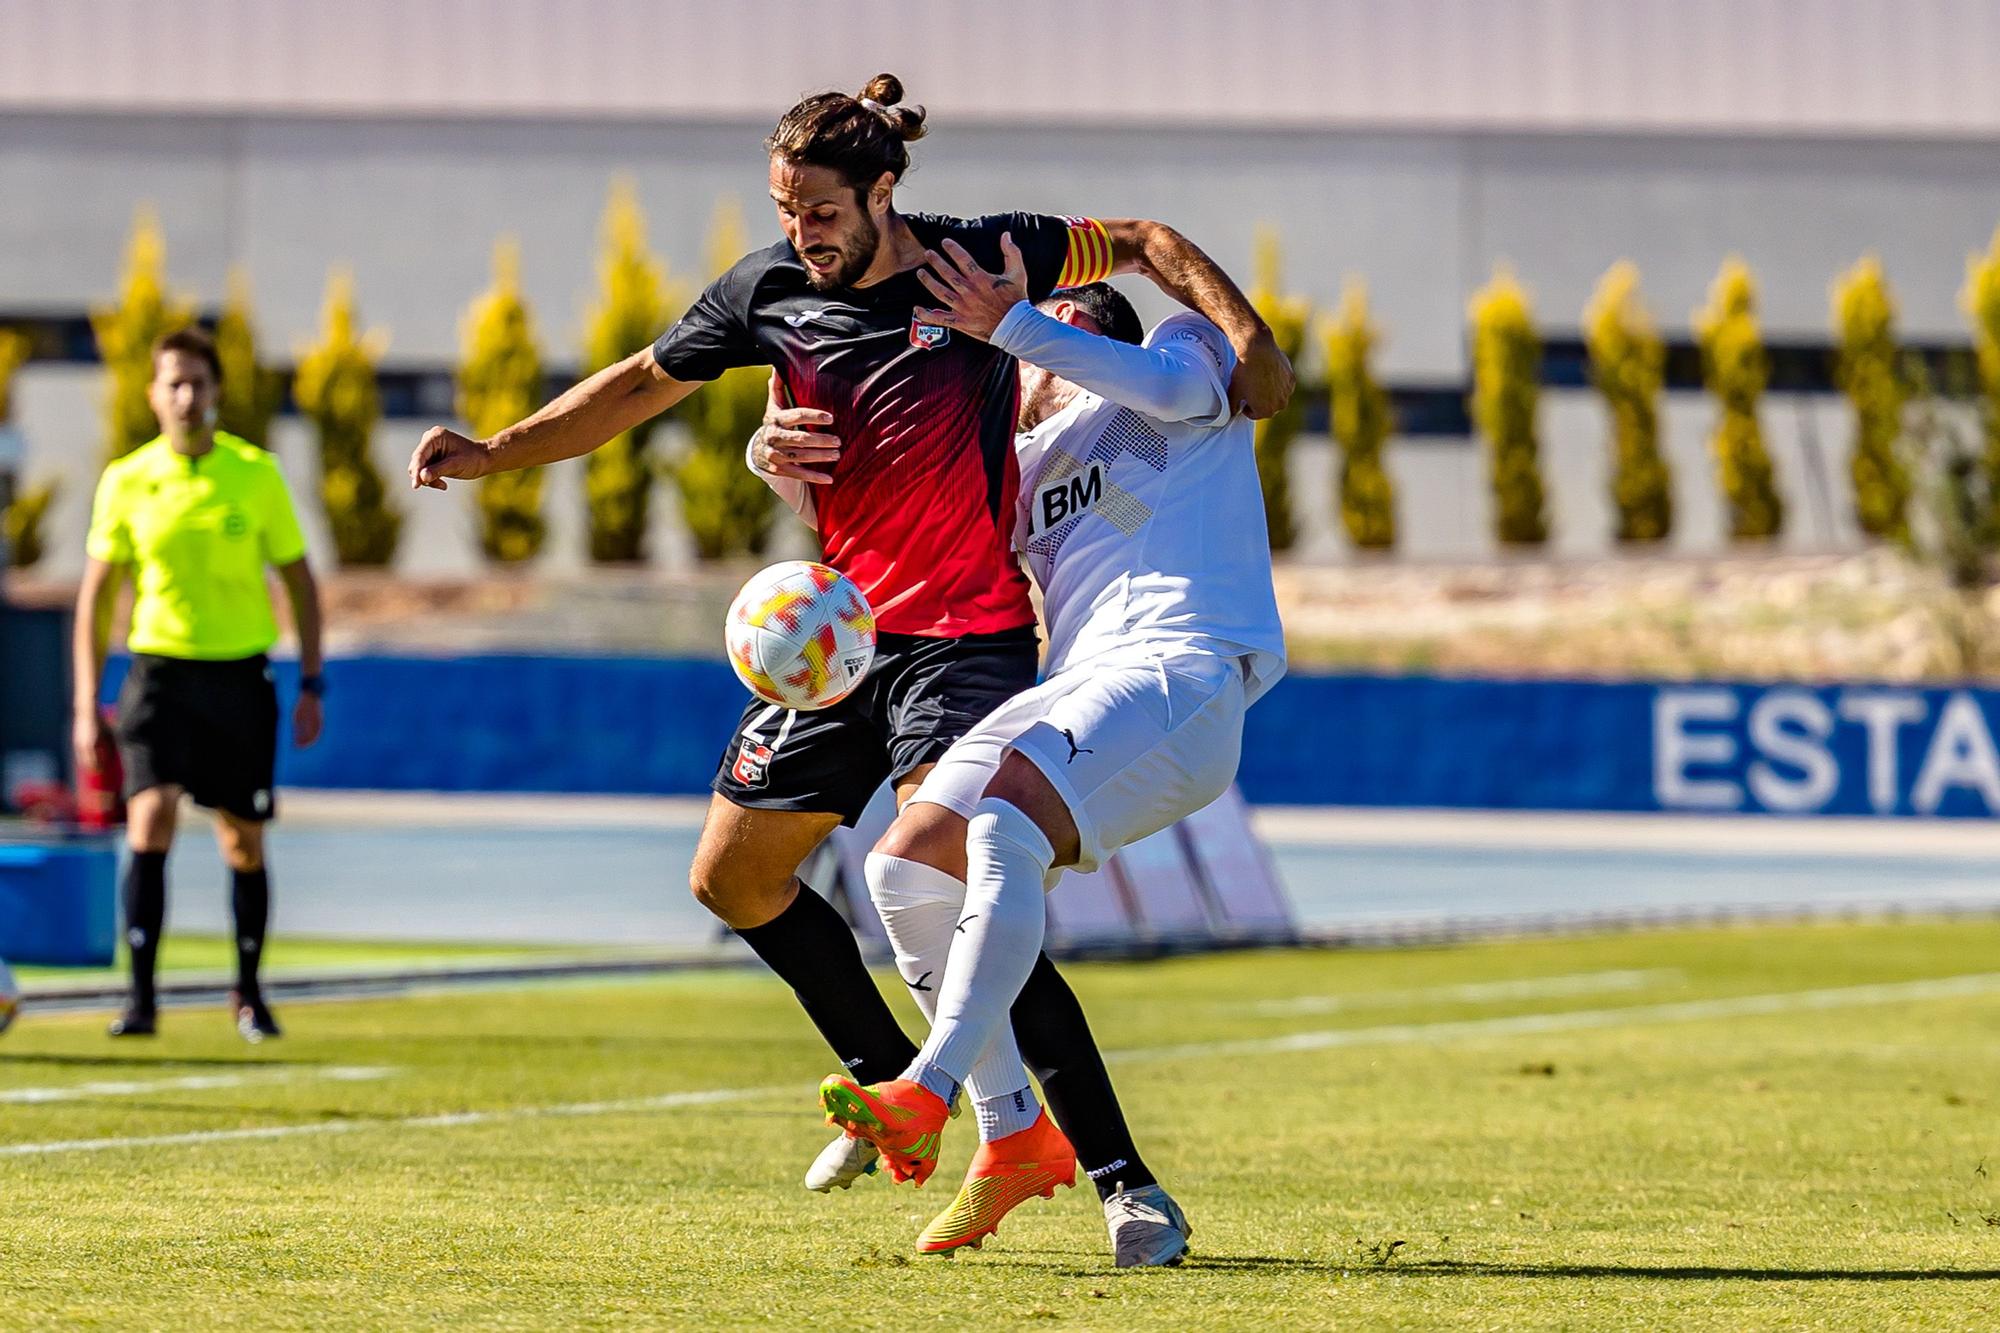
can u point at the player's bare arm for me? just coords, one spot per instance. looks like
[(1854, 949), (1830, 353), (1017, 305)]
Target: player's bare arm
[(606, 405), (1263, 381), (806, 457), (972, 299), (793, 443)]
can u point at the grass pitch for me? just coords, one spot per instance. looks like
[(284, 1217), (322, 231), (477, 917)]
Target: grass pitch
[(1707, 1129)]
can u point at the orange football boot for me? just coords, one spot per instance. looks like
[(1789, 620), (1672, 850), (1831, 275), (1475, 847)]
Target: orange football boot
[(1003, 1173), (900, 1116)]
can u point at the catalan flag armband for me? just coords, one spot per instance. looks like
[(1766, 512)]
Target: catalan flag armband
[(1089, 256)]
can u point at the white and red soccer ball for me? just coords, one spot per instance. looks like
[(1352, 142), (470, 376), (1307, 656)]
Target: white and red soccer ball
[(800, 635)]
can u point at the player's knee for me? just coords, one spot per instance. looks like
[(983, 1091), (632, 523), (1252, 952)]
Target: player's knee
[(896, 882), (1022, 785), (241, 845), (149, 822), (736, 899), (929, 835)]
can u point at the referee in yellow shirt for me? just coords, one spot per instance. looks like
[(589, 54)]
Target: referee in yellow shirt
[(194, 517)]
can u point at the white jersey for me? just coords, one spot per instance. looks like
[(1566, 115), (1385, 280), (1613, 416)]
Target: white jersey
[(1144, 529)]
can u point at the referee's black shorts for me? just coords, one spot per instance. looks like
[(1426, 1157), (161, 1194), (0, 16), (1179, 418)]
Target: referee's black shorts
[(208, 727)]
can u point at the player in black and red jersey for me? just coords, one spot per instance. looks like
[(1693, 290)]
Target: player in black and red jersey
[(915, 505)]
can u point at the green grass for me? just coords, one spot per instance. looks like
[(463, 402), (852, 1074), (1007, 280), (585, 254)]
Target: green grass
[(1800, 1168), (186, 956)]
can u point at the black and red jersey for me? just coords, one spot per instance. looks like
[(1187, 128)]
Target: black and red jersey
[(920, 508)]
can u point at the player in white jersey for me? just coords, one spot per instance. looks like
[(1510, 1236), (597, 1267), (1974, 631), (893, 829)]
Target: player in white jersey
[(1142, 520)]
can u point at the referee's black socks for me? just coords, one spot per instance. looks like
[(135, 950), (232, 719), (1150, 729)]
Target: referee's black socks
[(250, 900), (145, 893), (814, 951)]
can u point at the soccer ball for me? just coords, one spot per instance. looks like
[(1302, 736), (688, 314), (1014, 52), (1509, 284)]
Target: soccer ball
[(800, 635), (10, 997)]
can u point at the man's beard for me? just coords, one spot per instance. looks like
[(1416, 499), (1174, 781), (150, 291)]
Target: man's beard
[(854, 259)]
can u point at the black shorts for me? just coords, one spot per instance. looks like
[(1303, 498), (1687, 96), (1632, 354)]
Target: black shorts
[(919, 696), (210, 727)]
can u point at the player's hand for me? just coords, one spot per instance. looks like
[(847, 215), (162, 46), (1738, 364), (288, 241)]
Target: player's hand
[(86, 737), (445, 453), (785, 446), (971, 299), (308, 719), (1263, 381)]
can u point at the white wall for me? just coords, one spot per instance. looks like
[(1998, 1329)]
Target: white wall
[(1872, 67)]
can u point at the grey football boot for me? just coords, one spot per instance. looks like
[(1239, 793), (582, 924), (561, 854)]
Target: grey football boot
[(1148, 1229)]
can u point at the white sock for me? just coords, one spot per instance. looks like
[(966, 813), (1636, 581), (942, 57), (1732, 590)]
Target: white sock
[(995, 943), (1001, 1116), (920, 906)]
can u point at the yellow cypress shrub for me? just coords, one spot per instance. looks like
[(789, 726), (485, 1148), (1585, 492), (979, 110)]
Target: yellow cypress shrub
[(1868, 369), (251, 392), (25, 515), (14, 349), (634, 303), (336, 390), (1289, 317), (25, 520), (727, 510), (1506, 386), (1360, 418), (1981, 299), (126, 332), (1736, 369), (499, 383), (1628, 365)]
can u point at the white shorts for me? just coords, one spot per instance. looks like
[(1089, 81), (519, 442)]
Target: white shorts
[(1131, 744)]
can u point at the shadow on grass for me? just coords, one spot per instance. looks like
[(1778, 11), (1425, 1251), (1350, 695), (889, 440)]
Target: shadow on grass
[(1688, 1273), (1254, 1263)]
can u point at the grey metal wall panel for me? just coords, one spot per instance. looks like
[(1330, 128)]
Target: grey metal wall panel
[(1894, 67)]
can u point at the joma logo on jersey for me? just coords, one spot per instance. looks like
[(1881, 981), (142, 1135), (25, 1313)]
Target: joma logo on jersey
[(1069, 497), (928, 337)]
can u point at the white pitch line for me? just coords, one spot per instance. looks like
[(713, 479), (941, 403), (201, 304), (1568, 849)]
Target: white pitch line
[(1845, 997), (448, 1120), (1688, 1011), (135, 1087), (1475, 992)]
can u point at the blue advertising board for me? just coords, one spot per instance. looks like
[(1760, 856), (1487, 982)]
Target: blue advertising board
[(637, 725)]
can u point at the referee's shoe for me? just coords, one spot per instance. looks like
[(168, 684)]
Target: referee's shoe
[(253, 1017), (135, 1022)]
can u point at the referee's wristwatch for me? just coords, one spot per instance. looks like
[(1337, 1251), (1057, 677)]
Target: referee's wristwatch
[(314, 685)]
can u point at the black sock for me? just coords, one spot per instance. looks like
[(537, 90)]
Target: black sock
[(816, 954), (145, 914), (1055, 1041), (250, 900)]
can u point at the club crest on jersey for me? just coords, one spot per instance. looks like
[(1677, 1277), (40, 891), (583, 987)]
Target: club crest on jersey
[(753, 764), (928, 337)]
